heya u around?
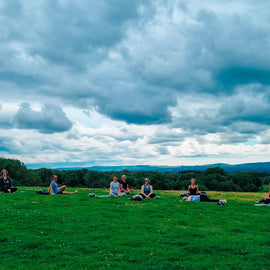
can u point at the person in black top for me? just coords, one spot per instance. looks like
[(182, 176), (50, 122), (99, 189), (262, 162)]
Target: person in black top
[(266, 200), (124, 185), (5, 183), (193, 188)]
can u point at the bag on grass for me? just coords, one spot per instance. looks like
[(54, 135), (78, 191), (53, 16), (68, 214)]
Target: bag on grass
[(137, 198), (220, 203)]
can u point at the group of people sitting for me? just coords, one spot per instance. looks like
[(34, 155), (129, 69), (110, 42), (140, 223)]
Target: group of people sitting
[(122, 188)]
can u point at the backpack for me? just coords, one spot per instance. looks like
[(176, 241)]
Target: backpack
[(137, 198)]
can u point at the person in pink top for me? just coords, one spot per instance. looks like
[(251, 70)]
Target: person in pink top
[(124, 185)]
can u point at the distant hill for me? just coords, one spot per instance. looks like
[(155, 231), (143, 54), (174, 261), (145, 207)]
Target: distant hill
[(260, 167)]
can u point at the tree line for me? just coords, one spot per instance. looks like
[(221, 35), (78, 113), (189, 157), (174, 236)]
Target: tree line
[(210, 179)]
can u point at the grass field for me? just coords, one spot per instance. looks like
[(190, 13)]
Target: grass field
[(77, 232)]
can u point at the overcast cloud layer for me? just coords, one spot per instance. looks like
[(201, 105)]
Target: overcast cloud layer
[(135, 82)]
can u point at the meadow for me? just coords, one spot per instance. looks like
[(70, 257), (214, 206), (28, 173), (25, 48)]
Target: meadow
[(77, 232)]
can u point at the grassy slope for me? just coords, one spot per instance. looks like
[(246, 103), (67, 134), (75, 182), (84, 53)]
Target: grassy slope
[(77, 232)]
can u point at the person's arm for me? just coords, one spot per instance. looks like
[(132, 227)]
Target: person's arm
[(142, 191), (118, 190), (51, 189), (110, 189), (198, 191), (1, 183), (151, 191), (121, 185), (128, 188), (188, 189), (9, 185)]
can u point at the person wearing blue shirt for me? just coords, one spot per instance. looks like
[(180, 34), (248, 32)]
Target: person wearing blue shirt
[(53, 189), (147, 189), (115, 187)]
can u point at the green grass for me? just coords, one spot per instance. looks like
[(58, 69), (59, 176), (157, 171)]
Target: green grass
[(77, 232)]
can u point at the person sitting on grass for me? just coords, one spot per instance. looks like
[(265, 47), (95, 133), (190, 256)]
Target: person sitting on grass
[(5, 183), (266, 200), (203, 198), (53, 188), (124, 185), (193, 188), (147, 190), (115, 187)]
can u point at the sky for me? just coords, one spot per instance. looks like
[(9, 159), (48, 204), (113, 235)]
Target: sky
[(147, 82)]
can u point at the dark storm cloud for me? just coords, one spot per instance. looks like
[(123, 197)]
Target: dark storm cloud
[(235, 49), (247, 106), (245, 113), (68, 33), (50, 119), (168, 136), (215, 54), (137, 106), (233, 138), (6, 144), (19, 79)]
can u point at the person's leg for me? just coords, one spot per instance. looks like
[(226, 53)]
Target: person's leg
[(62, 188), (142, 196), (152, 195), (13, 190), (65, 192), (267, 201), (205, 198), (130, 190)]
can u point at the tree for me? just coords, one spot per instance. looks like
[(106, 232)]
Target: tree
[(247, 181)]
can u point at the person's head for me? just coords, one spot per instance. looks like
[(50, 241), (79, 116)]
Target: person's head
[(147, 181), (115, 178), (186, 198), (4, 172), (124, 178), (54, 177), (193, 181)]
